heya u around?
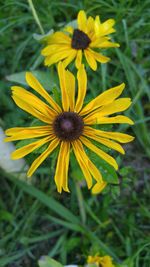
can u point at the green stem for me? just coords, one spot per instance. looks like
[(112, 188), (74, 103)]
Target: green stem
[(36, 16), (80, 202)]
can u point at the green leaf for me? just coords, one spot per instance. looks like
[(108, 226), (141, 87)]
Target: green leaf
[(48, 201), (57, 96), (115, 191), (109, 174), (46, 261), (43, 77), (42, 37)]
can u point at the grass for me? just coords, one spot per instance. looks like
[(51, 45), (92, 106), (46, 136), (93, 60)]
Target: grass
[(34, 219)]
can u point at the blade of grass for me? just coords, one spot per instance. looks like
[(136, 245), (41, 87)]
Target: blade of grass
[(46, 200)]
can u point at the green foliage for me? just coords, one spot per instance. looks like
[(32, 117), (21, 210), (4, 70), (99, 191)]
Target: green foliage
[(34, 219), (49, 262)]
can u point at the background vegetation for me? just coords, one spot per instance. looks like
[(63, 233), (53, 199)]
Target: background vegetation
[(34, 219)]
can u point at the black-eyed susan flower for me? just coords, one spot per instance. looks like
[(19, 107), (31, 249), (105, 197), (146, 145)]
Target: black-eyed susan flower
[(89, 37), (70, 126), (105, 261)]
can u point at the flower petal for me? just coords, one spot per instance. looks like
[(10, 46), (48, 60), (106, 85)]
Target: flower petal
[(103, 99), (61, 174), (82, 20), (78, 59), (120, 137), (20, 133), (82, 164), (90, 59), (25, 150), (97, 25), (38, 161), (35, 84), (104, 141), (98, 57), (69, 29), (118, 105), (70, 58), (109, 120), (58, 56), (90, 25), (91, 167), (107, 26), (59, 38), (103, 44), (82, 85), (70, 84), (31, 110), (102, 29), (62, 80), (32, 101), (51, 49), (98, 188), (110, 160)]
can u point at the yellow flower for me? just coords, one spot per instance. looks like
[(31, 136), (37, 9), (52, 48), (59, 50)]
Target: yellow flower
[(105, 261), (69, 126), (74, 43)]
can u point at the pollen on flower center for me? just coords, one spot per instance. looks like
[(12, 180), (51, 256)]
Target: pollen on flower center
[(80, 40), (68, 126)]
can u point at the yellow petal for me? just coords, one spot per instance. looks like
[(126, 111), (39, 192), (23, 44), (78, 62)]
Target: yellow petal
[(98, 57), (51, 49), (102, 42), (107, 26), (70, 84), (66, 157), (91, 167), (69, 29), (90, 25), (62, 80), (97, 25), (90, 59), (102, 29), (105, 44), (82, 20), (20, 133), (70, 58), (103, 99), (25, 150), (31, 110), (120, 137), (82, 85), (36, 163), (98, 187), (35, 84), (78, 59), (110, 160), (61, 174), (33, 101), (59, 38), (82, 164), (118, 105), (104, 141), (58, 56), (109, 120)]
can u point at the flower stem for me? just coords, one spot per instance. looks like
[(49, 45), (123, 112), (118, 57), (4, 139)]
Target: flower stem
[(36, 16), (80, 202)]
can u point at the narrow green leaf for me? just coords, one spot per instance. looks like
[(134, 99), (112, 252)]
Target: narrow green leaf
[(46, 261), (46, 200)]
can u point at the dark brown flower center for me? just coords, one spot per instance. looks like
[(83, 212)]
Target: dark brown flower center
[(80, 40), (68, 126)]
